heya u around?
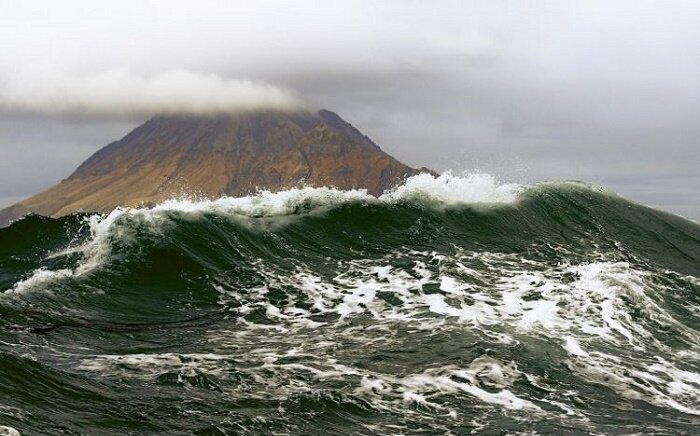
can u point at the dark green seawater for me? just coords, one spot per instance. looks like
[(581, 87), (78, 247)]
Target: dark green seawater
[(454, 308)]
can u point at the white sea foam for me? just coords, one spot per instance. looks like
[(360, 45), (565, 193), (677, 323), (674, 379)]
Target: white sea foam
[(589, 308), (152, 363), (8, 431), (446, 189), (453, 189), (479, 380), (585, 305), (93, 252), (584, 308)]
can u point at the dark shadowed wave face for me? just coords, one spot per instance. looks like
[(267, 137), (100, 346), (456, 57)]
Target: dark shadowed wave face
[(448, 305)]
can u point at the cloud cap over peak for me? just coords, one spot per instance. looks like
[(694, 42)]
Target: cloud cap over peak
[(120, 92)]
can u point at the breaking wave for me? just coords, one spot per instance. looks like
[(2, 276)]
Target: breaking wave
[(450, 304)]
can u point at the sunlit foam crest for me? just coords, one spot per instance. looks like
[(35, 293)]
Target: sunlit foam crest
[(446, 188), (454, 189)]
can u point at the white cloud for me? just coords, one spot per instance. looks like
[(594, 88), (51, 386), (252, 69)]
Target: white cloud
[(120, 92)]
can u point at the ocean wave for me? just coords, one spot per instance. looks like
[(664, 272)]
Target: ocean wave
[(450, 302), (445, 189)]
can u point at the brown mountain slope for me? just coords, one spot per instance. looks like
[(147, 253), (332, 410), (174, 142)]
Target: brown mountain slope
[(232, 154)]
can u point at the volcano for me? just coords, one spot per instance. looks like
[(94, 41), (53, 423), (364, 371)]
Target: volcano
[(219, 155)]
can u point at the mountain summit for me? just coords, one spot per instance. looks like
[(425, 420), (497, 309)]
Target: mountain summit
[(215, 155)]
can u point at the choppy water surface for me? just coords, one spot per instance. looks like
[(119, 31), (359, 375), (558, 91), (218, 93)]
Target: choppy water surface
[(450, 306)]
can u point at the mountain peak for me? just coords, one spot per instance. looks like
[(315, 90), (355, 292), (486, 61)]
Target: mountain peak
[(220, 154)]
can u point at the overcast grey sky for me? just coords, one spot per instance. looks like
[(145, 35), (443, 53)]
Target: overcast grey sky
[(603, 91)]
